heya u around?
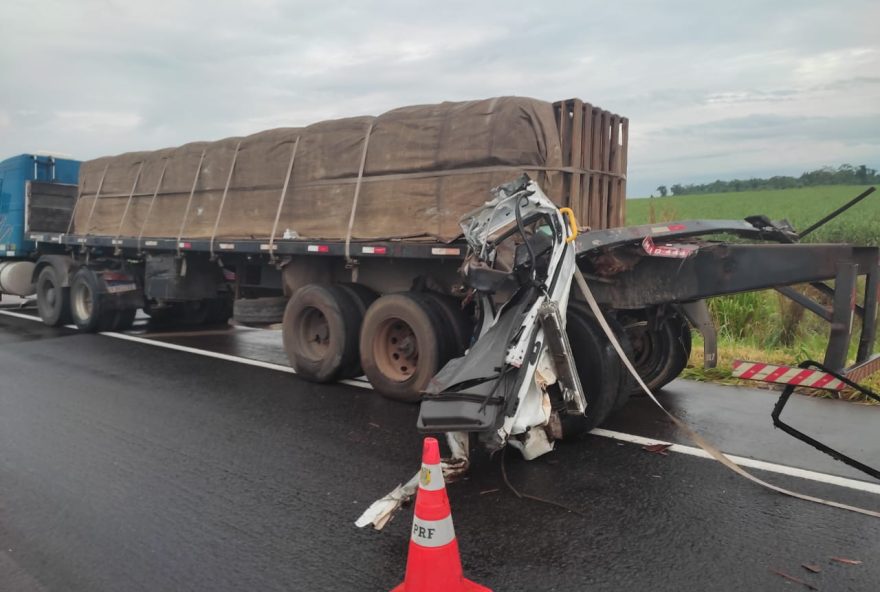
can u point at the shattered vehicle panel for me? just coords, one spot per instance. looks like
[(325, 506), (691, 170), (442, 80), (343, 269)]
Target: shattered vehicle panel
[(507, 387)]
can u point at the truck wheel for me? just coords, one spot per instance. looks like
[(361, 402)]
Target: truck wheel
[(53, 300), (626, 381), (219, 311), (161, 315), (455, 321), (363, 297), (659, 353), (403, 345), (259, 311), (598, 367), (123, 319), (193, 312), (320, 333), (87, 305)]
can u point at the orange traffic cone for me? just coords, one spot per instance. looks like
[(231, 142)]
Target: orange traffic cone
[(433, 564)]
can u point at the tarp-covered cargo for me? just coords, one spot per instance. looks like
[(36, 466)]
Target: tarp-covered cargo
[(409, 173)]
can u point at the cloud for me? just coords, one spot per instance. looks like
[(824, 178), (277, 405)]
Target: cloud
[(94, 122), (845, 129), (710, 89)]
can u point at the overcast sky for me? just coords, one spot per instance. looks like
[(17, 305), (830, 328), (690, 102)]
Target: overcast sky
[(712, 89)]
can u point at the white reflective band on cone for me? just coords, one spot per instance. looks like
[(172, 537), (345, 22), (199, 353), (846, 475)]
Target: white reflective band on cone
[(432, 533), (431, 478)]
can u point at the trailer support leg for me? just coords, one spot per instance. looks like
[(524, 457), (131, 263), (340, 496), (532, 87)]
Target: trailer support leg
[(841, 316), (698, 314), (869, 319)]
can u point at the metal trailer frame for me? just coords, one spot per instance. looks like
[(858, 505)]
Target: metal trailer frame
[(623, 274)]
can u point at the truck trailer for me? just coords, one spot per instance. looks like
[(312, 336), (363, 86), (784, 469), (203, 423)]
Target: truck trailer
[(371, 240)]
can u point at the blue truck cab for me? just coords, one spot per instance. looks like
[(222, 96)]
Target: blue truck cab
[(15, 173)]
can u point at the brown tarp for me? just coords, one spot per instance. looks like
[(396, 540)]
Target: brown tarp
[(425, 166)]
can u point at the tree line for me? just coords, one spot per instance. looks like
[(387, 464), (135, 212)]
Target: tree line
[(845, 174)]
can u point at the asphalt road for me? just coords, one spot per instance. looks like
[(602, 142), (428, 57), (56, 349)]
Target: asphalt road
[(125, 466)]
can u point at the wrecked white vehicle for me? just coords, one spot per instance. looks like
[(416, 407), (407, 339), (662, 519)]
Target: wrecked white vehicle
[(517, 381)]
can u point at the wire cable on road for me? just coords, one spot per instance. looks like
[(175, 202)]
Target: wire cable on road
[(527, 496)]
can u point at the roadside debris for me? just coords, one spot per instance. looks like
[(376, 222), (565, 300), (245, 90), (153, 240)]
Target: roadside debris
[(846, 561), (811, 567), (657, 448), (382, 510), (791, 578)]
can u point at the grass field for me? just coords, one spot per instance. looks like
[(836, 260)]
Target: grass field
[(802, 207), (764, 326)]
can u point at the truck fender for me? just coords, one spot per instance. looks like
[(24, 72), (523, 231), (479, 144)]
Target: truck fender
[(63, 264)]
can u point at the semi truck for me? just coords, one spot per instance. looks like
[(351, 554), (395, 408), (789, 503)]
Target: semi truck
[(371, 241)]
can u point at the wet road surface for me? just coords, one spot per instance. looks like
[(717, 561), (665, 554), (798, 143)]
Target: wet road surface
[(125, 466)]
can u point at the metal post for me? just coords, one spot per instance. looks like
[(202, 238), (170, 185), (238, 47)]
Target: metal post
[(698, 314), (869, 318), (841, 316)]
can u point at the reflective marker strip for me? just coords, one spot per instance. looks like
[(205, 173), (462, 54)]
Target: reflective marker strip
[(373, 250), (431, 478), (786, 375), (318, 249), (443, 251), (432, 533), (151, 243), (226, 246)]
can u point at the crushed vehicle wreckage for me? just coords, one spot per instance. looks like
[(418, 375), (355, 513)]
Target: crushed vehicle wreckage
[(519, 382), (516, 380)]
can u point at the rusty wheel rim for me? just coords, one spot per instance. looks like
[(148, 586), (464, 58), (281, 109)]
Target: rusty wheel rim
[(314, 333), (396, 350)]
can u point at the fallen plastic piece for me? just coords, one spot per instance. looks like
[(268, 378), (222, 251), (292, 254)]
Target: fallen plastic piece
[(433, 563), (382, 510)]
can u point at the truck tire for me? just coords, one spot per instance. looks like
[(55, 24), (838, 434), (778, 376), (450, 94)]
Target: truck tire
[(53, 300), (259, 311), (659, 353), (161, 316), (598, 367), (219, 311), (320, 333), (363, 296), (88, 306), (626, 381), (123, 319), (456, 322), (403, 344)]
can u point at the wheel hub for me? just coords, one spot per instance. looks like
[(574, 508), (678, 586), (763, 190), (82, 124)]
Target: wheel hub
[(315, 333), (396, 350)]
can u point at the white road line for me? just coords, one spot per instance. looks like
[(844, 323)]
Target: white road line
[(19, 315), (745, 461), (620, 436), (229, 358)]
